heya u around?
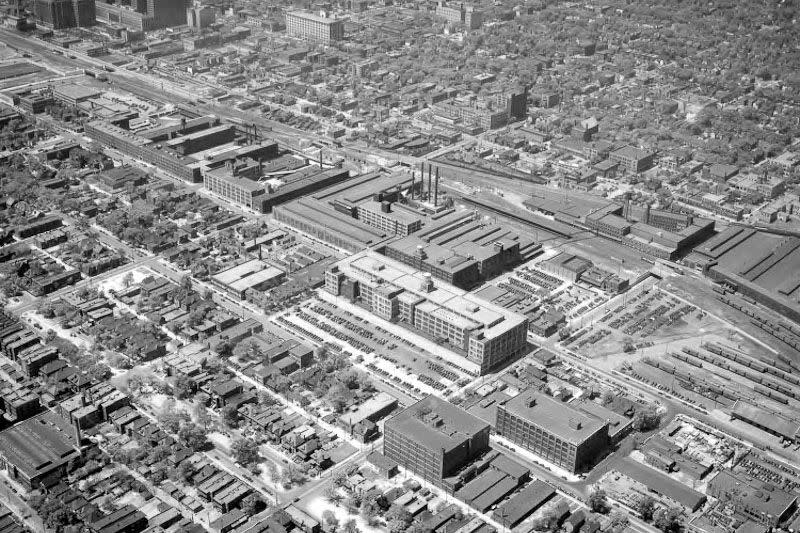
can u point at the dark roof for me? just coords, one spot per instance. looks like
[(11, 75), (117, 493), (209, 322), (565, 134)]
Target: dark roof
[(661, 483), (444, 426), (38, 444)]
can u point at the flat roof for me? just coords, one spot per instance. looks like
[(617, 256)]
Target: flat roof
[(76, 92), (315, 17), (767, 498), (395, 213), (558, 418), (367, 409), (321, 214), (661, 483), (445, 426), (373, 268)]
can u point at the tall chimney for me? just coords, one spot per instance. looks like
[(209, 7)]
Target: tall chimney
[(77, 426), (421, 179), (430, 170), (412, 183), (436, 189)]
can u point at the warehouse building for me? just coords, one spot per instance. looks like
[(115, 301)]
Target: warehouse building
[(317, 219), (253, 275), (760, 265), (487, 334), (37, 451), (434, 439), (553, 430), (313, 27)]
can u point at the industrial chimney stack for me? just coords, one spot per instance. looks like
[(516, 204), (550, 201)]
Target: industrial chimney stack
[(436, 189)]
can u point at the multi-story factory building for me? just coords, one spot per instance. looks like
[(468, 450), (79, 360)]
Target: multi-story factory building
[(312, 27), (487, 334), (553, 430), (435, 439)]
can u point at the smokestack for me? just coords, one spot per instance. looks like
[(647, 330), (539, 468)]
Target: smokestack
[(430, 170), (320, 158), (412, 183), (436, 189), (421, 179), (78, 438)]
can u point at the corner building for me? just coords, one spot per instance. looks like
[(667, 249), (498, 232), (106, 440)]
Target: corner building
[(553, 430), (434, 439)]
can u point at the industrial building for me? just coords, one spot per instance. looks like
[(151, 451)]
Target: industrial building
[(37, 450), (253, 275), (320, 220), (460, 14), (231, 182), (651, 233), (434, 439), (487, 334), (759, 501), (314, 27), (461, 249), (392, 218), (185, 146), (565, 436), (62, 14), (632, 159), (760, 265), (143, 15)]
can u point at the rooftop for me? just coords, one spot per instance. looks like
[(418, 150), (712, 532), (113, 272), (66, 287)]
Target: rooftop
[(437, 424), (38, 444), (559, 418)]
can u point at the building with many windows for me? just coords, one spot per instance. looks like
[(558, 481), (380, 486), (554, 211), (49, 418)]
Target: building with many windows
[(567, 437), (460, 14), (313, 27), (632, 159), (143, 15), (487, 334), (392, 218), (434, 439), (60, 14)]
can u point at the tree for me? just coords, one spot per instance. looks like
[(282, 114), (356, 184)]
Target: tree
[(598, 502), (645, 507), (252, 504), (646, 419), (398, 519), (330, 519), (549, 521), (332, 495), (194, 437), (127, 280), (182, 387), (230, 415), (619, 518), (350, 526), (668, 520), (245, 452)]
